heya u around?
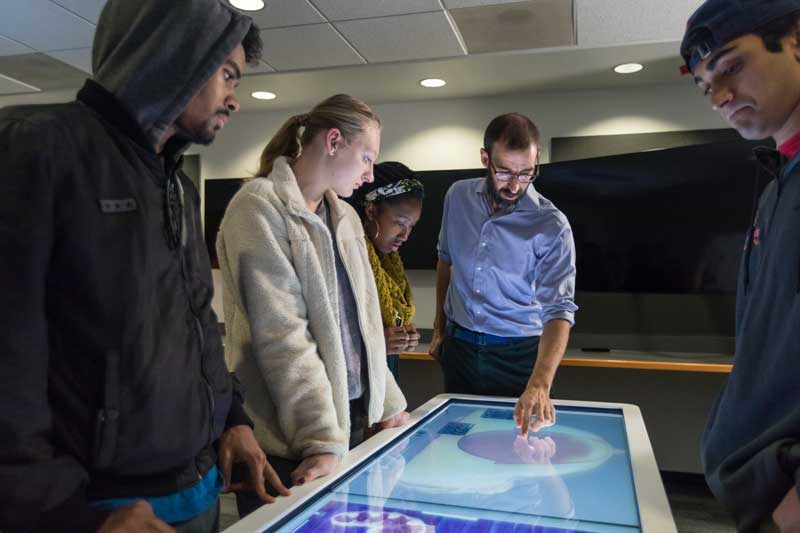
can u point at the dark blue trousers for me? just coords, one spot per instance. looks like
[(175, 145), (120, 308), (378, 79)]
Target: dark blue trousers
[(493, 369)]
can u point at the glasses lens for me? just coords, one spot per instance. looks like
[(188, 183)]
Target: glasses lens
[(522, 178), (506, 176)]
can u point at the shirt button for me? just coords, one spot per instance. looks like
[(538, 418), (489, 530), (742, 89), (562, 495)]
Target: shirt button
[(483, 244), (479, 311), (478, 291), (479, 269)]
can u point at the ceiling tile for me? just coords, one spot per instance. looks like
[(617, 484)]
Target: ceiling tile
[(278, 13), (80, 58), (12, 86), (307, 47), (43, 25), (455, 4), (88, 9), (260, 69), (493, 75), (529, 25), (10, 48), (360, 9), (615, 22), (405, 37), (42, 71)]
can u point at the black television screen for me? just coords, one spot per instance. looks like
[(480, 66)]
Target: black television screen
[(658, 237), (668, 221), (218, 194)]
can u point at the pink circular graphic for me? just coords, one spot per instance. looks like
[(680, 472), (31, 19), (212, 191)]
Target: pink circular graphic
[(498, 446)]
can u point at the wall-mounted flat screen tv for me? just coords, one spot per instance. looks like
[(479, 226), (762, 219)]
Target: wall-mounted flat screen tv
[(658, 236)]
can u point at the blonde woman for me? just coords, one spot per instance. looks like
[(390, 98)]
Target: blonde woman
[(301, 308)]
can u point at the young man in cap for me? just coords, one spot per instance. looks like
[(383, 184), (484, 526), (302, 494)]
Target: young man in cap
[(118, 413), (505, 279), (745, 55)]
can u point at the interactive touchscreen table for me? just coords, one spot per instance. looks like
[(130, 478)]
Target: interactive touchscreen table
[(460, 466)]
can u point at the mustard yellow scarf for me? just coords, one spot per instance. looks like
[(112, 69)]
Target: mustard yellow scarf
[(394, 291)]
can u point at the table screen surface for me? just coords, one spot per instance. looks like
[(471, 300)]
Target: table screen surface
[(465, 469)]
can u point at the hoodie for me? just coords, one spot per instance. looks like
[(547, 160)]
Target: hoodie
[(153, 56), (113, 380)]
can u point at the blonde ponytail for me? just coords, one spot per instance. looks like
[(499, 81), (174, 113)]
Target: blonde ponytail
[(285, 143), (346, 113)]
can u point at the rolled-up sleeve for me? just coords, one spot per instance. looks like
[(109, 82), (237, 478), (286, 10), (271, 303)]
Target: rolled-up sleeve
[(555, 277)]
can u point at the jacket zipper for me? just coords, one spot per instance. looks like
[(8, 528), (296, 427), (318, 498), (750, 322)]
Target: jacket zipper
[(315, 220), (198, 327)]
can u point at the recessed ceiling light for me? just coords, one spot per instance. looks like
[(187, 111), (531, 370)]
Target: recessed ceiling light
[(432, 82), (263, 95), (248, 5), (628, 68)]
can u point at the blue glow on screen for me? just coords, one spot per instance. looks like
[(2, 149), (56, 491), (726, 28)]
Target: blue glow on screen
[(466, 470)]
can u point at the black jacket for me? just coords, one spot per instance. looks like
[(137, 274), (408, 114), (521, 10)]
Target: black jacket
[(113, 378), (751, 446), (112, 375)]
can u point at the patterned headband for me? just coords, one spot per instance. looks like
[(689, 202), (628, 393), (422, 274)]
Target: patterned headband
[(394, 189)]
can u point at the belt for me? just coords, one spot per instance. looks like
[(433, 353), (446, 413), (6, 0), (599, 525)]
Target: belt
[(473, 337)]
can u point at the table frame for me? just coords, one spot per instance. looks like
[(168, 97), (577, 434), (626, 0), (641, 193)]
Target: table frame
[(654, 510)]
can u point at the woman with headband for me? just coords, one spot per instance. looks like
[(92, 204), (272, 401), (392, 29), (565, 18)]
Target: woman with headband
[(301, 309), (389, 207)]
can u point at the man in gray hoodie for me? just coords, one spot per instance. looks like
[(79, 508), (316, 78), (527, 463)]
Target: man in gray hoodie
[(118, 413)]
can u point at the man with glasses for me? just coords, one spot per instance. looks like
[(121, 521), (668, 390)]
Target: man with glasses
[(505, 279)]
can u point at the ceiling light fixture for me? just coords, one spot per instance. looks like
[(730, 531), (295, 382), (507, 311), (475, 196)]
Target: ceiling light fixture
[(432, 82), (248, 5), (263, 95), (628, 68)]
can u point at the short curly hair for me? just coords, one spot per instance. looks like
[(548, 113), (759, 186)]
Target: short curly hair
[(252, 45)]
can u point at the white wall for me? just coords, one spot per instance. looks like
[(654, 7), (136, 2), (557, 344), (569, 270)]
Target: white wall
[(447, 134)]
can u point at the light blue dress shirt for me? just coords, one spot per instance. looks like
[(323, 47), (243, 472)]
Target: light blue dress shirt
[(512, 271)]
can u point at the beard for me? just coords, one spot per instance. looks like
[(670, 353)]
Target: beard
[(498, 201), (203, 133)]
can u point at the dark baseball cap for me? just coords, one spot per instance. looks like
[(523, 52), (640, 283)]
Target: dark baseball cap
[(717, 22)]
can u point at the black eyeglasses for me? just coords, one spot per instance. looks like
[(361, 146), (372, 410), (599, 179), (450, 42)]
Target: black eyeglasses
[(522, 177)]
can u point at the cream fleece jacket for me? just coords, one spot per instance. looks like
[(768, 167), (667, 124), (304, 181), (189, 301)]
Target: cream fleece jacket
[(282, 317)]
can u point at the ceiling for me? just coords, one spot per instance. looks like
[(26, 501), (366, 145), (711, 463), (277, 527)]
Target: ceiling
[(380, 49)]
